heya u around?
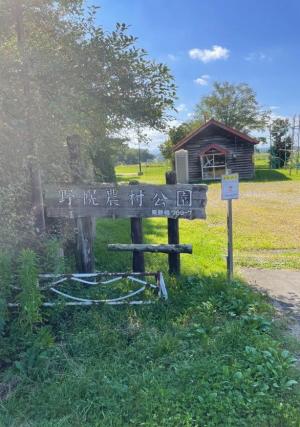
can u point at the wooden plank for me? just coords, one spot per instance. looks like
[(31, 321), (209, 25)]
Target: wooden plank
[(173, 232), (167, 249), (126, 201), (84, 255)]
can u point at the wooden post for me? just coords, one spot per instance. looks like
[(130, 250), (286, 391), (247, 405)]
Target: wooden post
[(173, 232), (136, 225), (229, 242), (138, 261), (84, 254)]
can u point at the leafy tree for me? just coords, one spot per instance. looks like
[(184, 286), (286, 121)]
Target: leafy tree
[(234, 105), (130, 155), (62, 74), (175, 134), (281, 143)]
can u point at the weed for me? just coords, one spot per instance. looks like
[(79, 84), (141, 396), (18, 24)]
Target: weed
[(30, 296)]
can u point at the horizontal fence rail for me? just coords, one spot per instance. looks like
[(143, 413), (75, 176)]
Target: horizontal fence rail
[(52, 283)]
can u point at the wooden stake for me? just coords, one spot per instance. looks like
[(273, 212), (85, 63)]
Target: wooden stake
[(229, 242), (138, 259), (136, 224), (173, 232), (84, 254)]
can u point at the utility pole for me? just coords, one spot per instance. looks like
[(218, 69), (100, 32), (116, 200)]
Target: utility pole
[(298, 144), (139, 156), (32, 149), (139, 141), (292, 145)]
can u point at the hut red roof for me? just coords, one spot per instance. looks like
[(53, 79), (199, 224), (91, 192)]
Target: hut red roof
[(216, 123)]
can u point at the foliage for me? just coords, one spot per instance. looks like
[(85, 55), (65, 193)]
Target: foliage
[(23, 336), (15, 220), (130, 155), (234, 105), (209, 350), (30, 297), (5, 290), (52, 260), (175, 134), (63, 75), (207, 357), (281, 143)]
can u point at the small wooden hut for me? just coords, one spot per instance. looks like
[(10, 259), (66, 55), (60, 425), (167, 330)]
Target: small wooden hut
[(215, 149)]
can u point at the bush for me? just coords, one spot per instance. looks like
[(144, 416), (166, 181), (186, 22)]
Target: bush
[(30, 296), (5, 290)]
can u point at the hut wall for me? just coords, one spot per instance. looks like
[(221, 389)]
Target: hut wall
[(241, 150)]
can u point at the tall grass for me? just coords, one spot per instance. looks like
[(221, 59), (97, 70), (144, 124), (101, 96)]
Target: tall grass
[(211, 356)]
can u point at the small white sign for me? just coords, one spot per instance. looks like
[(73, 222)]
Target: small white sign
[(230, 186)]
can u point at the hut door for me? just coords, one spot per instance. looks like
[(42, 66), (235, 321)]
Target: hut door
[(213, 164)]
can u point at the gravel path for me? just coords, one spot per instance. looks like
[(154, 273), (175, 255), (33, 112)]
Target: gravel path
[(283, 286)]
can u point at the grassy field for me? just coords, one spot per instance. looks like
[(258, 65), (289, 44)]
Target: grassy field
[(212, 356), (266, 221)]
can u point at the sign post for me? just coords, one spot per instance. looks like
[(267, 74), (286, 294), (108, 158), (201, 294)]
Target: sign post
[(126, 201), (230, 190), (172, 201)]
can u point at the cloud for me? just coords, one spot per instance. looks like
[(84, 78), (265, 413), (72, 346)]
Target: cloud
[(208, 55), (202, 80), (258, 56), (181, 108), (172, 57)]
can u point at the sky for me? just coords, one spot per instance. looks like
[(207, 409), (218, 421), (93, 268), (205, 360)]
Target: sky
[(257, 42)]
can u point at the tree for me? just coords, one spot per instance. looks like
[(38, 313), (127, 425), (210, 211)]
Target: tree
[(175, 134), (67, 75), (281, 143), (130, 156), (234, 105)]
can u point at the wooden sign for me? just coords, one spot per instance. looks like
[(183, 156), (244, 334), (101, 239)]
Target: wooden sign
[(126, 201)]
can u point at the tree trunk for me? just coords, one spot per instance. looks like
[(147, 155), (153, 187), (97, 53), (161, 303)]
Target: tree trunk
[(33, 158)]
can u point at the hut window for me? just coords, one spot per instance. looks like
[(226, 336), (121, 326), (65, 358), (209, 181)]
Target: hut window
[(213, 164)]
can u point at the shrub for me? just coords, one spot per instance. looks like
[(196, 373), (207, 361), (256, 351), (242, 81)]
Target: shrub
[(5, 282), (30, 297)]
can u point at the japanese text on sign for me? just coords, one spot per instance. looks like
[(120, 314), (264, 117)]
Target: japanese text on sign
[(103, 200)]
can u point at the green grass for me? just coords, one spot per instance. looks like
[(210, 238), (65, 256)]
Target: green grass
[(210, 356), (261, 237), (264, 173), (206, 358), (154, 173)]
